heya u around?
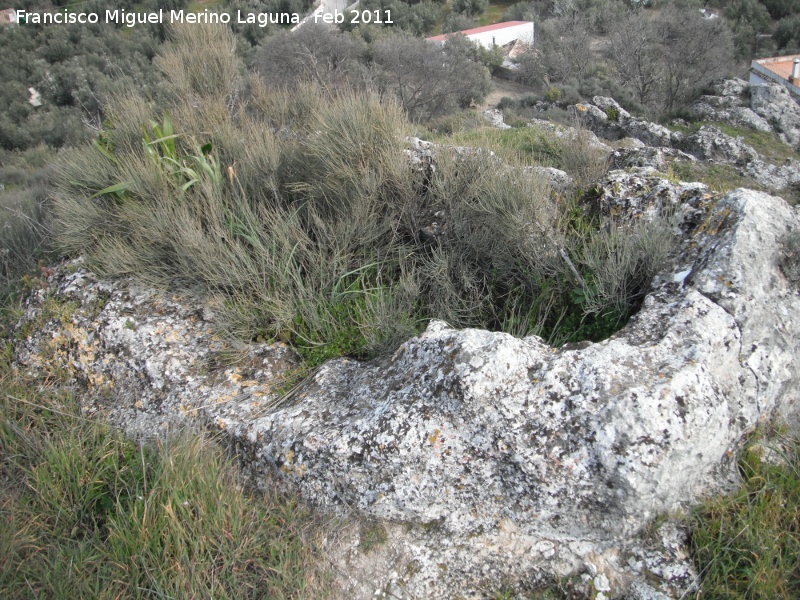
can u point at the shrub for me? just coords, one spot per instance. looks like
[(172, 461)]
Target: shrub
[(552, 94), (470, 7), (457, 22), (323, 235), (581, 157)]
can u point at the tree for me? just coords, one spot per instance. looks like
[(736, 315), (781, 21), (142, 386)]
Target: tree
[(748, 18), (419, 18), (457, 22), (521, 11), (429, 80), (665, 58), (787, 32), (778, 9), (470, 7), (565, 46), (696, 51), (636, 55), (312, 53)]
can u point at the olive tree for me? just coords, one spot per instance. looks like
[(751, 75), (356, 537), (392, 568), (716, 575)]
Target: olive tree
[(313, 53), (668, 56), (427, 79)]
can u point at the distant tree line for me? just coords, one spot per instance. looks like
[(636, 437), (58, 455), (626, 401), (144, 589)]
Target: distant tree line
[(428, 80), (76, 68), (655, 55)]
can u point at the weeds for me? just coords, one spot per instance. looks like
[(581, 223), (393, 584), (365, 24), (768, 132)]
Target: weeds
[(86, 513), (747, 545)]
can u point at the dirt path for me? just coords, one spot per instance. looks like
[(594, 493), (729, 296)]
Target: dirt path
[(504, 87)]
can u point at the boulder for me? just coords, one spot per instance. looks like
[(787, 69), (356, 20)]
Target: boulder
[(643, 193), (774, 103), (774, 177), (715, 108), (558, 179), (709, 143), (608, 119), (734, 88), (562, 131), (494, 116), (611, 107), (491, 460), (646, 156)]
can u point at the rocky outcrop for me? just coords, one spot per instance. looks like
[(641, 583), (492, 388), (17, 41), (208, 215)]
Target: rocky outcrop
[(730, 105), (642, 193), (608, 119), (490, 459), (646, 156), (562, 132), (711, 144), (772, 109), (774, 177), (774, 104), (721, 109), (494, 116)]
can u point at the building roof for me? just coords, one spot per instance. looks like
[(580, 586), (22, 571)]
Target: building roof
[(476, 30), (8, 15), (779, 65)]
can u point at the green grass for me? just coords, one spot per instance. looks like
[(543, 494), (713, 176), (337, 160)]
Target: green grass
[(528, 142), (86, 513), (719, 178), (747, 545), (767, 144), (493, 13)]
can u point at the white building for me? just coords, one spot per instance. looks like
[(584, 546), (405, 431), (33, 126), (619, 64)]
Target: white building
[(8, 16), (499, 34)]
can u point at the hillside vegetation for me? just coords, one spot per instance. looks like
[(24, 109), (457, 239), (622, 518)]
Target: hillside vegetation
[(302, 216), (294, 207)]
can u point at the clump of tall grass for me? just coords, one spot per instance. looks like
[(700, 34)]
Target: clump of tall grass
[(24, 235), (301, 214), (747, 544), (86, 513)]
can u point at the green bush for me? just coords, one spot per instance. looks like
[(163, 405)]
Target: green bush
[(552, 94), (470, 7), (323, 235)]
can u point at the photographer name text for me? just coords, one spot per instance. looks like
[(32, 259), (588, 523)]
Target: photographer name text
[(262, 19)]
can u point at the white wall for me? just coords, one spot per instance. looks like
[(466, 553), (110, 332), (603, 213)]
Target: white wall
[(501, 37)]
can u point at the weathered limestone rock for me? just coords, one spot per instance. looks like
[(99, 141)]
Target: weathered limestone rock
[(729, 106), (561, 131), (774, 103), (774, 177), (709, 143), (495, 118), (491, 459), (734, 88), (558, 179), (608, 119), (646, 156), (643, 193), (723, 110)]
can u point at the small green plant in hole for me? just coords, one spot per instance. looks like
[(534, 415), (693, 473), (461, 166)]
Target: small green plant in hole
[(372, 534)]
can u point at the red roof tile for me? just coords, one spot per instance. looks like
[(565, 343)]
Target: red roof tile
[(484, 29)]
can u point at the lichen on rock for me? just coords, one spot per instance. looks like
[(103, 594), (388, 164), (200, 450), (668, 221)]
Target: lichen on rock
[(502, 458)]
